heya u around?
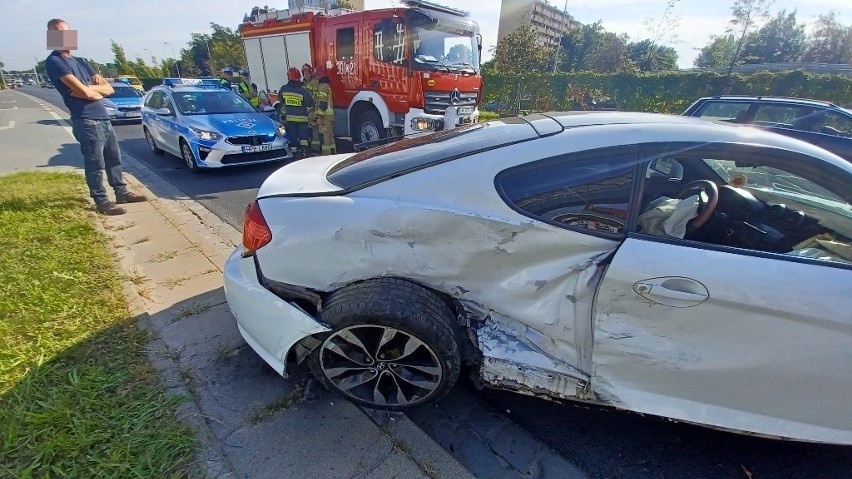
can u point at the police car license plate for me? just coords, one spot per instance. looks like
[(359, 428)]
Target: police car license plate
[(254, 149), (134, 114), (465, 110)]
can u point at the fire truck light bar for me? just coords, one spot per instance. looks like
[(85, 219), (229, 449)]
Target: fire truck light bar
[(436, 7)]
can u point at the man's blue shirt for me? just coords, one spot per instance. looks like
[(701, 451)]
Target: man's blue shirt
[(58, 66)]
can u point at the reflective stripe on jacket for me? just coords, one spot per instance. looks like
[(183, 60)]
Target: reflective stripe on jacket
[(324, 101), (295, 102)]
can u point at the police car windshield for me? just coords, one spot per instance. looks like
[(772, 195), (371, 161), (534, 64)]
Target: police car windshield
[(125, 92), (216, 102)]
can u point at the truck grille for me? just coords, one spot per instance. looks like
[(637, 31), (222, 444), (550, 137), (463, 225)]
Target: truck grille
[(253, 140), (437, 102)]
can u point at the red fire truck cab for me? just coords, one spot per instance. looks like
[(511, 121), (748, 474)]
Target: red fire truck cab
[(393, 72)]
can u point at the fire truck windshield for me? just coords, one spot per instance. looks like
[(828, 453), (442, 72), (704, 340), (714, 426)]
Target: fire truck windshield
[(443, 44)]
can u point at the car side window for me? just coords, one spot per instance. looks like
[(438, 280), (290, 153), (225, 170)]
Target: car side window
[(346, 44), (766, 202), (590, 195), (723, 110), (154, 100), (835, 124), (389, 42), (781, 115)]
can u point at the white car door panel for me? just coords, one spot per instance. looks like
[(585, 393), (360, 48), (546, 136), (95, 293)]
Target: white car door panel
[(732, 340)]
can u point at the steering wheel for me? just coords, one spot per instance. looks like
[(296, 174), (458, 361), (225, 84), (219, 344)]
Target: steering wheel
[(708, 198)]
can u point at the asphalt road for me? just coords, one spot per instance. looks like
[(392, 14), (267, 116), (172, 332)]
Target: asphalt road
[(603, 443)]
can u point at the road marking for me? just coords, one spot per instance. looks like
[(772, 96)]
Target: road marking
[(8, 108), (9, 127)]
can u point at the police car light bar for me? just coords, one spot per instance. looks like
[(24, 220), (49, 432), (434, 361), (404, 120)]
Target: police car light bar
[(197, 82)]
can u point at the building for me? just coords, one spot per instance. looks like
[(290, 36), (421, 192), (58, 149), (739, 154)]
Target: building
[(294, 5), (548, 21)]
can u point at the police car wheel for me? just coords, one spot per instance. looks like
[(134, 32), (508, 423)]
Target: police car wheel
[(188, 157), (151, 143)]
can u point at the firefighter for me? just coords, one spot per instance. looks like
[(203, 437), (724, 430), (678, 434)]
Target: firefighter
[(324, 111), (312, 85), (295, 103), (247, 89), (227, 78)]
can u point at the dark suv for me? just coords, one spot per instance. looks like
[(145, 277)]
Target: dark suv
[(818, 122)]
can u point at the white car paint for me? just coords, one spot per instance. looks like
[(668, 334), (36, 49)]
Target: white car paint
[(558, 320)]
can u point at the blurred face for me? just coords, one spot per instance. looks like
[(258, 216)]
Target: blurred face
[(61, 37), (307, 74)]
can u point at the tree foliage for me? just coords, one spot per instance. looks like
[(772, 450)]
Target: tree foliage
[(647, 56), (745, 14), (781, 39), (520, 53), (122, 65), (830, 42)]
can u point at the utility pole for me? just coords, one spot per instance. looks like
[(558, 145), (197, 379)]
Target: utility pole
[(177, 65), (559, 42), (210, 57)]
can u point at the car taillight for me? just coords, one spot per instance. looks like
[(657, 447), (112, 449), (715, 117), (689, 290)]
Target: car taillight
[(256, 233)]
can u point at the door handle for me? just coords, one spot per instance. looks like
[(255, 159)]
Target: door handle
[(672, 291), (374, 83)]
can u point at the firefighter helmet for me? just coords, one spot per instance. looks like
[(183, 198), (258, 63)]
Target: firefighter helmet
[(293, 74)]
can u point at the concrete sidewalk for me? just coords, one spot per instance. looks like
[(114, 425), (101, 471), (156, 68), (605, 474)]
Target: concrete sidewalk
[(252, 422)]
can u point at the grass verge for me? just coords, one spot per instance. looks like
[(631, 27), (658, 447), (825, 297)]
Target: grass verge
[(78, 397)]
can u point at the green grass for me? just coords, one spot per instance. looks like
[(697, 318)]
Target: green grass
[(77, 396)]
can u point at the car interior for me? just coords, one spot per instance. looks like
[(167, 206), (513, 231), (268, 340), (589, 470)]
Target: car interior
[(745, 205)]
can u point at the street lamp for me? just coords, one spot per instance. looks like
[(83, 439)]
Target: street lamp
[(177, 65), (210, 57)]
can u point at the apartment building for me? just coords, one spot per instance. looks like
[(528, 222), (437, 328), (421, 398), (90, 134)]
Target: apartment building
[(549, 21)]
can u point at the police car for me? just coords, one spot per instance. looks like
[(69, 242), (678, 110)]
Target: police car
[(124, 104), (210, 127)]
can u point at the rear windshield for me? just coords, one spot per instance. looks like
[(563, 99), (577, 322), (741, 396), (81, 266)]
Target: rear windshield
[(400, 157)]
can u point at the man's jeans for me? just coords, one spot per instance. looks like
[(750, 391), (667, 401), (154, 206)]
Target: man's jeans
[(99, 146)]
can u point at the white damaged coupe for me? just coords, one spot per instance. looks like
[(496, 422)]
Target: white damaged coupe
[(659, 264)]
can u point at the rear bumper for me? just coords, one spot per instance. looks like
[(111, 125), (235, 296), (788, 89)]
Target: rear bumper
[(270, 325)]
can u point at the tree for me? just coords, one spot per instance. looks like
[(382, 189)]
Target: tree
[(207, 52), (578, 44), (122, 65), (717, 53), (459, 53), (519, 52), (782, 39), (745, 14), (347, 4), (830, 42), (609, 55), (664, 30), (647, 56)]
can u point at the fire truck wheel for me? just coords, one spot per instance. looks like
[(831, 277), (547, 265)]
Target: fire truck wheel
[(368, 127)]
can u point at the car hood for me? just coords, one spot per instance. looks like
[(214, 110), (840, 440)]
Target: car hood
[(303, 177), (132, 101), (235, 124)]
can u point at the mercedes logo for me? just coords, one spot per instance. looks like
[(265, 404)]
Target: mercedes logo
[(455, 97)]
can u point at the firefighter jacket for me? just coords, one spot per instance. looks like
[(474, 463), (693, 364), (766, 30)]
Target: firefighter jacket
[(312, 85), (247, 92), (295, 102), (324, 101)]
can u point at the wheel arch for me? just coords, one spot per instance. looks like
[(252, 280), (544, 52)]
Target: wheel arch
[(365, 101)]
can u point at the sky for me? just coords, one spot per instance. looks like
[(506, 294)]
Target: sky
[(147, 28)]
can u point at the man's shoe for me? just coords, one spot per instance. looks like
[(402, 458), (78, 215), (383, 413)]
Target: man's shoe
[(130, 197), (111, 209)]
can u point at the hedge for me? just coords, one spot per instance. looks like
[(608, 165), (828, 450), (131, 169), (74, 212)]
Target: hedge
[(669, 92)]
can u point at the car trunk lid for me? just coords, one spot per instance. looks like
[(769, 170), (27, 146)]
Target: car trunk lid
[(303, 177)]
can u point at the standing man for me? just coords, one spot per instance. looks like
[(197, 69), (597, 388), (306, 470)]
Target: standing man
[(324, 108), (247, 89), (296, 102), (312, 86), (82, 91)]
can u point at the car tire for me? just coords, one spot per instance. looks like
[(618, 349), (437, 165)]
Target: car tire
[(188, 157), (369, 127), (151, 143), (373, 323)]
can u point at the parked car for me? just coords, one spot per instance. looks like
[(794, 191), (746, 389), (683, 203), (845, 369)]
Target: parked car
[(209, 127), (131, 80), (125, 104), (822, 123), (658, 264)]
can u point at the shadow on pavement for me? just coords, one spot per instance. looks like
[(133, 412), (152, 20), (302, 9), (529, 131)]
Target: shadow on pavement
[(68, 155)]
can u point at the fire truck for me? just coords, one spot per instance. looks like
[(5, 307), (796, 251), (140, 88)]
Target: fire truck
[(393, 72)]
